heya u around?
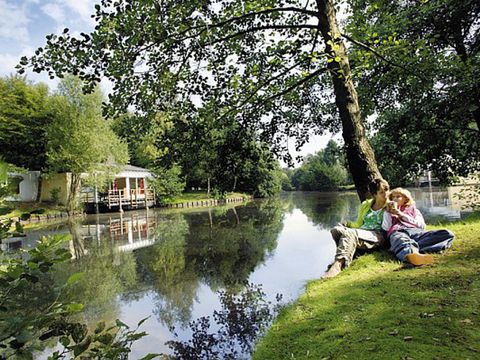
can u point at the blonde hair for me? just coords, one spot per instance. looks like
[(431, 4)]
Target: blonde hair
[(405, 193)]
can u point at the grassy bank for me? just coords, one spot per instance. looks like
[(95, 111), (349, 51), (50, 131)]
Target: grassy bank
[(378, 309), (200, 196), (9, 209)]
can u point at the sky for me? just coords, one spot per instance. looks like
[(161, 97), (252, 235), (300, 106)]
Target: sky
[(25, 23)]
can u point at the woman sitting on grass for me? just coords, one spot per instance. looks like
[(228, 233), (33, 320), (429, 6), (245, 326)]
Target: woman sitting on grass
[(406, 230), (365, 233)]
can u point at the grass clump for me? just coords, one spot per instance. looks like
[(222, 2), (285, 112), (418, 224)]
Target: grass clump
[(378, 309)]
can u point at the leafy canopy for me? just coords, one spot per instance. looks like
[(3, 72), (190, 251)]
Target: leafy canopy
[(427, 93), (261, 60)]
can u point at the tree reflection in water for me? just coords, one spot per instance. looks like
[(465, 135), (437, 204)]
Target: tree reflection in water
[(220, 247), (241, 321), (326, 209)]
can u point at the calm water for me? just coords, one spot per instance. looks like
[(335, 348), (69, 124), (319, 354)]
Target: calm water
[(171, 264)]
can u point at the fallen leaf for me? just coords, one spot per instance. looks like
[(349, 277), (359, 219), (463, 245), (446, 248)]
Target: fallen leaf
[(466, 321)]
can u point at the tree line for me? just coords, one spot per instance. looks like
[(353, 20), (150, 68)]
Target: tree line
[(281, 68), (65, 131), (323, 171)]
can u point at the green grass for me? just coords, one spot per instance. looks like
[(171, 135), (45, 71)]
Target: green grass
[(378, 309), (16, 209), (198, 196)]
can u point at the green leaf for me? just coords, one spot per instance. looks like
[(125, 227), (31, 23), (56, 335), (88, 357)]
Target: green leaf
[(75, 307), (121, 324), (24, 336), (64, 340), (100, 327), (142, 321), (150, 356), (75, 278), (105, 339), (136, 336), (82, 347)]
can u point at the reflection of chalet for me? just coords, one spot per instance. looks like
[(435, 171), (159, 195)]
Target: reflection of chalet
[(128, 190), (132, 233)]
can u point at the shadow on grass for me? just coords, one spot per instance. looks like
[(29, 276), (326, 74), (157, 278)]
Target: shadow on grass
[(377, 309), (4, 210)]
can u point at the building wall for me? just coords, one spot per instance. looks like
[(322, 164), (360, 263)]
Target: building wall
[(28, 187), (56, 181)]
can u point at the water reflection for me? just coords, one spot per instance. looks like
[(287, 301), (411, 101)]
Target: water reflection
[(172, 263)]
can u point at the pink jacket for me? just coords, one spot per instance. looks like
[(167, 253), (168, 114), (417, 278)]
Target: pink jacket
[(412, 218)]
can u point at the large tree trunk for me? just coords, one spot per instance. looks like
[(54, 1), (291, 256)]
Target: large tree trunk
[(360, 156), (72, 198)]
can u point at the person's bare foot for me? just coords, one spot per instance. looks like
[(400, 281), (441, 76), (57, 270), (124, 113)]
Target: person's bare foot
[(334, 270), (419, 259)]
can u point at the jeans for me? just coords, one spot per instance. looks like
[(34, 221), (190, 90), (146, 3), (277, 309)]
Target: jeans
[(407, 241)]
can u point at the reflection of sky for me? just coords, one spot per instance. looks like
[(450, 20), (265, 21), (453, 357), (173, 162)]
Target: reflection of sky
[(303, 253)]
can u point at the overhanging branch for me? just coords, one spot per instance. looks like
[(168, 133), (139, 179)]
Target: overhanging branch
[(376, 53)]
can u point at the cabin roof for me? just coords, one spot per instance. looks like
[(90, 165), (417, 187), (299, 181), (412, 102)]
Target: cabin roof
[(133, 172), (129, 167)]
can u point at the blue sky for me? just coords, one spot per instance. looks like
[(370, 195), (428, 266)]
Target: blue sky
[(25, 23)]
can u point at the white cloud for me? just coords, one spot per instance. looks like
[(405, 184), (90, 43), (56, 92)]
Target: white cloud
[(55, 11), (13, 24), (83, 8), (8, 63)]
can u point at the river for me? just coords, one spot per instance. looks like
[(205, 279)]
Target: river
[(174, 265)]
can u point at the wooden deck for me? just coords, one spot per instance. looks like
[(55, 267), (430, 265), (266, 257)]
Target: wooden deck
[(135, 198)]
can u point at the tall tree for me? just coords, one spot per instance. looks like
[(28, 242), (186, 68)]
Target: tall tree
[(420, 73), (320, 172), (262, 60), (24, 116), (80, 140)]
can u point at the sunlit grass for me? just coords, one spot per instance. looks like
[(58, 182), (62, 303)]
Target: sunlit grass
[(16, 209), (378, 309), (200, 196)]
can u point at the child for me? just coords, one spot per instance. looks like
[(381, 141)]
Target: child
[(406, 230)]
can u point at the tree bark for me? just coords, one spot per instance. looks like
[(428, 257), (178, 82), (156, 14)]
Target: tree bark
[(360, 155), (72, 197)]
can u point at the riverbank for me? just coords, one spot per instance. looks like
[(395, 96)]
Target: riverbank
[(378, 309), (202, 197)]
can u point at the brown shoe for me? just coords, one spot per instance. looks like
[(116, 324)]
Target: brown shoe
[(419, 259)]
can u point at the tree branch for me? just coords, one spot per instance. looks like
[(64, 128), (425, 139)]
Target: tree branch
[(292, 87), (372, 50), (259, 87), (261, 12), (259, 28)]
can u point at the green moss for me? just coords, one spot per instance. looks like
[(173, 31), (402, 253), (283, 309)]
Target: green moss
[(378, 309)]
